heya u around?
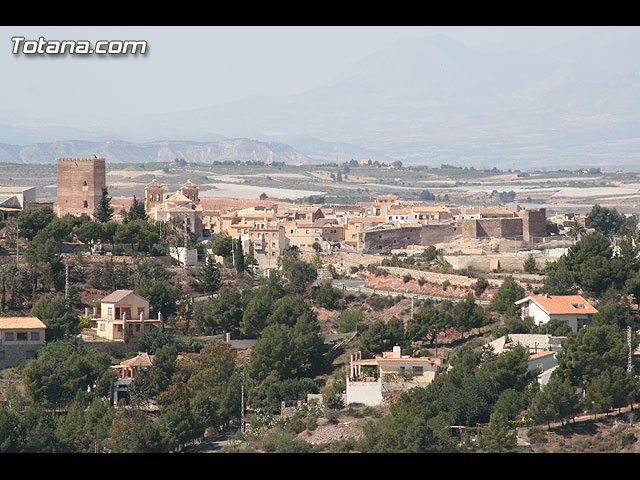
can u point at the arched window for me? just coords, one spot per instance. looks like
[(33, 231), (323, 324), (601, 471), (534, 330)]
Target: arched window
[(85, 204)]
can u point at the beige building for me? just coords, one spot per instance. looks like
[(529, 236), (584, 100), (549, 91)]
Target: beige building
[(261, 233), (183, 205), (355, 225), (20, 339), (122, 312), (266, 243), (369, 380)]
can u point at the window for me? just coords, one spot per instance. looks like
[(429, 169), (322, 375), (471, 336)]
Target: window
[(418, 370), (85, 204), (8, 337), (35, 336)]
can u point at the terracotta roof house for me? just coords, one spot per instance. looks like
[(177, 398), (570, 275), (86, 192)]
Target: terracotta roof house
[(123, 312), (127, 372), (573, 310), (130, 368), (20, 339)]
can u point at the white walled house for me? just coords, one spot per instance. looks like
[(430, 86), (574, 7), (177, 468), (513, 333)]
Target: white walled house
[(572, 310), (545, 362)]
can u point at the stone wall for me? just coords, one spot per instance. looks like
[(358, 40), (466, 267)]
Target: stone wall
[(385, 240), (487, 263), (492, 228), (14, 355), (437, 233), (367, 393)]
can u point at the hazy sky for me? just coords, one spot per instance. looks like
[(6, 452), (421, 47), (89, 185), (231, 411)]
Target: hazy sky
[(193, 67)]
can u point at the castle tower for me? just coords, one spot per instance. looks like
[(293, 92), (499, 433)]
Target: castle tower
[(153, 194), (190, 190), (80, 184)]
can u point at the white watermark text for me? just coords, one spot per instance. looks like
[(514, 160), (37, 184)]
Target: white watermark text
[(41, 46)]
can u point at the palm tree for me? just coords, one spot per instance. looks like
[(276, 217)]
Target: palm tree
[(577, 229)]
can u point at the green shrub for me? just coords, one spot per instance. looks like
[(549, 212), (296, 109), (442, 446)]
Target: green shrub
[(280, 441), (536, 435)]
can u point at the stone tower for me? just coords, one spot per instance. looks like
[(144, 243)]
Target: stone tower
[(80, 184), (153, 194), (190, 190)]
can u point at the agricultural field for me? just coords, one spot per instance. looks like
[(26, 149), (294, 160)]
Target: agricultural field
[(559, 191)]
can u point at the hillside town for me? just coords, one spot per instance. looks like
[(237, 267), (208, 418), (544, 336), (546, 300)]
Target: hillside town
[(164, 323)]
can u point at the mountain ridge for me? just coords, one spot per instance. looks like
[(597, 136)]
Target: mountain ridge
[(432, 100), (241, 149)]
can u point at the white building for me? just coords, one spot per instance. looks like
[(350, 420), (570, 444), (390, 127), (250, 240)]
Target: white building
[(573, 310), (542, 350)]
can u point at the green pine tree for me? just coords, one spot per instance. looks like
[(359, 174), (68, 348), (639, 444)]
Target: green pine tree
[(104, 211)]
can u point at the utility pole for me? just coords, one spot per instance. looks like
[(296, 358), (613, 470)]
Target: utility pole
[(412, 299), (243, 427), (186, 243), (630, 356), (17, 245)]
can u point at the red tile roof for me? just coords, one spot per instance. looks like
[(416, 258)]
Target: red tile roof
[(561, 304)]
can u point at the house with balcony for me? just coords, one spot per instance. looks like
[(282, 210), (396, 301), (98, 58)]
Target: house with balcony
[(123, 314), (372, 381), (20, 339)]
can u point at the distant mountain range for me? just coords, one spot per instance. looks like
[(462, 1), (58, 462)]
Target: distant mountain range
[(126, 152), (430, 100)]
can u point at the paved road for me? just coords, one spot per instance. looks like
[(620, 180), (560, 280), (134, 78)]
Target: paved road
[(359, 286)]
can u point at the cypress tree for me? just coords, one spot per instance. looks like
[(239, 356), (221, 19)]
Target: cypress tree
[(104, 211)]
